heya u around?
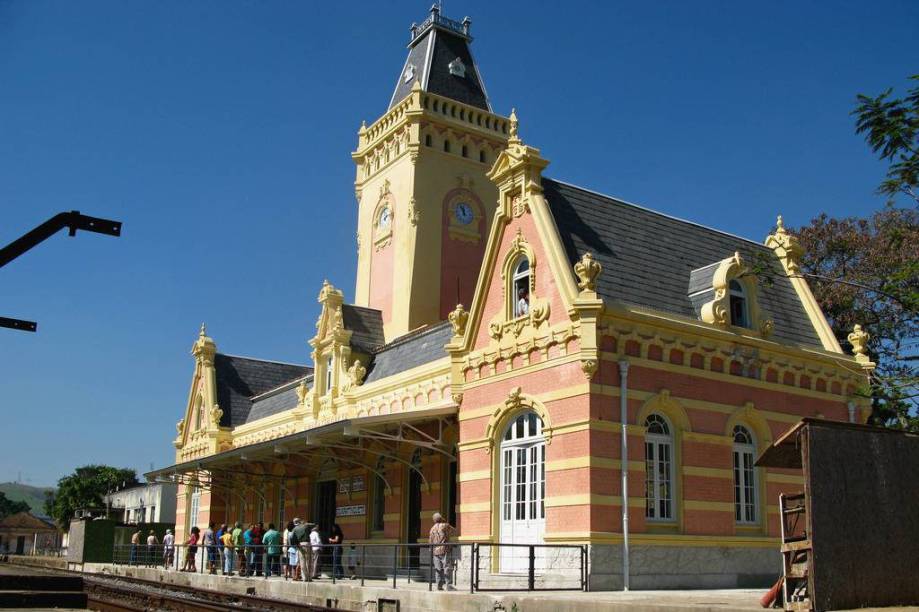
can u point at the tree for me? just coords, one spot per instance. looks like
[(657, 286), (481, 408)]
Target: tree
[(866, 271), (891, 128), (85, 488), (8, 506)]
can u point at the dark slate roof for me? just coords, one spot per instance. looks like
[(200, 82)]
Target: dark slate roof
[(438, 42), (648, 258), (277, 400), (241, 378), (366, 325), (410, 351)]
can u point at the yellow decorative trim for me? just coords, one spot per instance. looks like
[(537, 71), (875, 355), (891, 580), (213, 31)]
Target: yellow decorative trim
[(475, 507), (690, 504), (690, 470), (477, 475), (751, 417), (653, 539), (516, 403), (708, 438), (717, 311), (666, 405), (789, 252), (784, 478)]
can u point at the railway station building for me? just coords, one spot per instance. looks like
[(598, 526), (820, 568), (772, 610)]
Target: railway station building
[(508, 336)]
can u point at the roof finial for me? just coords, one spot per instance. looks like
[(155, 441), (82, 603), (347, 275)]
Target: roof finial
[(203, 331), (513, 126), (779, 224)]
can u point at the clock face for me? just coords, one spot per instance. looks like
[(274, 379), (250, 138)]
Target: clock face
[(463, 213), (385, 218)]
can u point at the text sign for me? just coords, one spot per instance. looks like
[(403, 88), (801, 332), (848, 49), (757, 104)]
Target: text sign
[(356, 510)]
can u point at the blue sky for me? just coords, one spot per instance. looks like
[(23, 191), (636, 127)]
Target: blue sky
[(219, 132)]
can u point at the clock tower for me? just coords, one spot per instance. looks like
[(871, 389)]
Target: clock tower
[(425, 204)]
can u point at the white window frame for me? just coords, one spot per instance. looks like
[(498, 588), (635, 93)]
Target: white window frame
[(519, 276), (737, 291), (523, 469), (659, 460), (329, 365), (745, 481), (194, 507)]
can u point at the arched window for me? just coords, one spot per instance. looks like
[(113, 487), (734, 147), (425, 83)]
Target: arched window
[(744, 476), (428, 141), (193, 507), (658, 469), (521, 284), (482, 156), (523, 475), (446, 146), (329, 364), (739, 312)]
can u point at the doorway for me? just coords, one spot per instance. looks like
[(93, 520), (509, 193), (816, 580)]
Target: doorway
[(20, 545), (324, 516)]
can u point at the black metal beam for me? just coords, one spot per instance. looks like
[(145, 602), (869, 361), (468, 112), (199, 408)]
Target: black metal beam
[(72, 220), (19, 324)]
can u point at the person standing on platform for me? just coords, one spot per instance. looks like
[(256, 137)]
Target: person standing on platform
[(218, 537), (228, 552), (316, 551), (209, 541), (258, 552), (299, 539), (443, 555), (192, 550), (272, 542), (135, 544), (152, 545), (169, 549), (336, 539), (238, 546)]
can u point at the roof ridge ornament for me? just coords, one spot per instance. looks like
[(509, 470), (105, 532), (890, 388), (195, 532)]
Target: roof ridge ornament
[(786, 247), (513, 129)]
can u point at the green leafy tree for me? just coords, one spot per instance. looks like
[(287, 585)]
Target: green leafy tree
[(8, 506), (85, 488), (891, 128)]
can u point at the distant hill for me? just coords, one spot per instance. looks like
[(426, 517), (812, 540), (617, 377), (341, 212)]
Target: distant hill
[(34, 496)]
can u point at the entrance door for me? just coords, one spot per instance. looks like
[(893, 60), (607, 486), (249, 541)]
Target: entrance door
[(414, 511), (523, 491), (20, 545), (325, 515)]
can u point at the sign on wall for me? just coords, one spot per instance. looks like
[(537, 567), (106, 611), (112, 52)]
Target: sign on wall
[(356, 510), (351, 485)]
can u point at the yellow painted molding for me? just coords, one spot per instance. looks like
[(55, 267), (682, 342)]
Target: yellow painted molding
[(477, 475), (649, 539), (523, 370), (690, 470), (784, 478), (707, 438), (691, 504), (545, 398), (475, 507)]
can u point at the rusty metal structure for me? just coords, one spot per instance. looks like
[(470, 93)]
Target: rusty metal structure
[(849, 539)]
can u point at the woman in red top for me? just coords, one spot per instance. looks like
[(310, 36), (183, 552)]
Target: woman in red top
[(191, 551)]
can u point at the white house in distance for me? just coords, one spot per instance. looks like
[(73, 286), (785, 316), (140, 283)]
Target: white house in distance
[(144, 503)]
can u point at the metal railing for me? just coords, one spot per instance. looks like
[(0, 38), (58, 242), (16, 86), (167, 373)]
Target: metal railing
[(468, 566)]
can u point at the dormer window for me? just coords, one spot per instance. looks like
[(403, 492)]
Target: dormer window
[(738, 304), (521, 286)]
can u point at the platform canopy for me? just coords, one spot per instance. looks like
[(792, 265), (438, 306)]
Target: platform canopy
[(345, 444)]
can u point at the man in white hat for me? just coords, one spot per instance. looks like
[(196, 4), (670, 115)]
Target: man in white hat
[(443, 557)]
